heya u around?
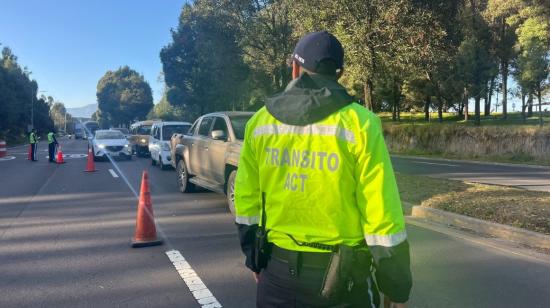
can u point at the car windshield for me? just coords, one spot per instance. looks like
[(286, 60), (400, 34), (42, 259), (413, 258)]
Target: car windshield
[(109, 135), (122, 130), (144, 130), (169, 130), (239, 124)]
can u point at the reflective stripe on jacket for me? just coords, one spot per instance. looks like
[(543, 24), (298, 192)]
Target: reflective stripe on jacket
[(329, 182)]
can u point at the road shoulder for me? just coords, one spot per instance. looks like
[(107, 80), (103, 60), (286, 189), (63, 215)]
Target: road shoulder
[(503, 246)]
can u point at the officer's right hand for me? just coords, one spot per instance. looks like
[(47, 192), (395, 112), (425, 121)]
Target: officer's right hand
[(256, 276)]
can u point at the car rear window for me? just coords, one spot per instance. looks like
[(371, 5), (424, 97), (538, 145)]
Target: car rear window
[(109, 135), (144, 130), (169, 130)]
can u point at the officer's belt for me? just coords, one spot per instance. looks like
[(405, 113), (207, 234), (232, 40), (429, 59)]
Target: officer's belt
[(304, 258)]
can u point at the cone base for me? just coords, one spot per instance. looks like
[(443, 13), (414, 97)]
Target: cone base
[(137, 244), (91, 170), (61, 163)]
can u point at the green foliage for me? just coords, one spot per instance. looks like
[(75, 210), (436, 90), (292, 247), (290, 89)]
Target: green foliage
[(384, 40), (57, 114), (533, 48), (166, 112), (203, 65), (17, 99), (399, 55), (123, 96)]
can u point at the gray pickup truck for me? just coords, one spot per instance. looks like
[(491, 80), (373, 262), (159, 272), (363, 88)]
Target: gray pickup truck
[(208, 155)]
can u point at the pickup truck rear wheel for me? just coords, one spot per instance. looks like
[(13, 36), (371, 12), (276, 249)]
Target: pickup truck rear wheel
[(183, 178), (230, 193)]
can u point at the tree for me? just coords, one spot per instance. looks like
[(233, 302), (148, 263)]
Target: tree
[(266, 36), (17, 99), (165, 111), (497, 15), (475, 63), (380, 38), (61, 119), (123, 96), (533, 60), (203, 65)]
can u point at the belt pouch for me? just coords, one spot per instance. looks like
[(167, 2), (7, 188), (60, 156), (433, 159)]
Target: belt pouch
[(337, 280)]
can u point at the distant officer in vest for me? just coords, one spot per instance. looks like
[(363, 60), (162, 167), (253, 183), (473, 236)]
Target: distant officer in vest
[(314, 171), (52, 144), (33, 140)]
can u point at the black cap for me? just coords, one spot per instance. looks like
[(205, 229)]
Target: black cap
[(316, 47)]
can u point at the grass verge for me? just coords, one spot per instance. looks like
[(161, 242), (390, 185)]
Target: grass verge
[(506, 205), (507, 158)]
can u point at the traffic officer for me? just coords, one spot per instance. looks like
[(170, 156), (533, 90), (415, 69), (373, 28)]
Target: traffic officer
[(52, 143), (33, 140), (315, 165)]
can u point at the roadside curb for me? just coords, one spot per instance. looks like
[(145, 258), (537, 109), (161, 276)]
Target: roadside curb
[(478, 162), (525, 237)]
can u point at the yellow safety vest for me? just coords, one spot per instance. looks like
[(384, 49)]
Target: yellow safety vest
[(330, 182), (32, 138)]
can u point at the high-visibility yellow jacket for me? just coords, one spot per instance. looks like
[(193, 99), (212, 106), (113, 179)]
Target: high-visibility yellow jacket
[(32, 138), (51, 138), (327, 177), (330, 182)]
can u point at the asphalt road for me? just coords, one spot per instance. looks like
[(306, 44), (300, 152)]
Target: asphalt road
[(521, 176), (64, 242)]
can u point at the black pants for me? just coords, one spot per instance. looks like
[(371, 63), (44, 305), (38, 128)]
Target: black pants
[(279, 287), (51, 152), (33, 151)]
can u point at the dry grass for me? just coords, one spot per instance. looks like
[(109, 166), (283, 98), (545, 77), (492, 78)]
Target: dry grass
[(496, 143), (511, 206)]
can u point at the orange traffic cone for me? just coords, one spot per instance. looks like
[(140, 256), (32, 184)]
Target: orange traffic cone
[(60, 156), (90, 166), (29, 156), (146, 233)]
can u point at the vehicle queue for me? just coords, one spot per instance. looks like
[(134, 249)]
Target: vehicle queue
[(203, 154)]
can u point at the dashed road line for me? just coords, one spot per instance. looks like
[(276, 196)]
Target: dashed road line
[(113, 173), (201, 293)]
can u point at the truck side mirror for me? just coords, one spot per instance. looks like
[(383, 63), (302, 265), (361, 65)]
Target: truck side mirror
[(218, 135)]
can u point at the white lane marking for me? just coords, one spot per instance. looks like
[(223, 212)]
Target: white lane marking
[(437, 164), (201, 293), (113, 173), (7, 158), (71, 156)]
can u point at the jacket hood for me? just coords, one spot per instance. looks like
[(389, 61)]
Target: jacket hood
[(308, 99)]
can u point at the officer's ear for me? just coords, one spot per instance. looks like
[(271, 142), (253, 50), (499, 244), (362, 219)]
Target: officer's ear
[(295, 70)]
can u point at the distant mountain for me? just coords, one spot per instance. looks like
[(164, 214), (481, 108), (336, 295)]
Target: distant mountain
[(83, 112)]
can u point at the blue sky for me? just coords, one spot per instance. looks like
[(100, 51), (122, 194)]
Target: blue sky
[(68, 45)]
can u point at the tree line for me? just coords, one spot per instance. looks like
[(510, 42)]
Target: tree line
[(18, 100), (400, 55)]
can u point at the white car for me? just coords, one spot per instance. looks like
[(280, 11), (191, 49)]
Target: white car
[(110, 143), (159, 141)]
